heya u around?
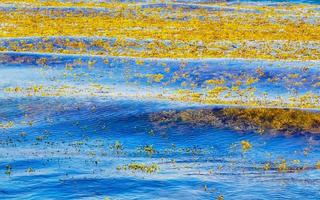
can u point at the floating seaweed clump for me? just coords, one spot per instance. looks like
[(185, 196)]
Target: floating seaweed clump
[(148, 149), (272, 120), (246, 145), (140, 167), (7, 124), (318, 165)]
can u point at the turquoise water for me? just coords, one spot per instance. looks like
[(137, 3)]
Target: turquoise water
[(63, 147)]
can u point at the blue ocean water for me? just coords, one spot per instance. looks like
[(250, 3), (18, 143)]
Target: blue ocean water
[(62, 147), (68, 149)]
